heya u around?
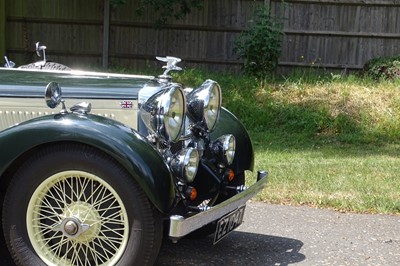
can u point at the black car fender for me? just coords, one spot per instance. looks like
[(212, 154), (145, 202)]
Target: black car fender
[(124, 144)]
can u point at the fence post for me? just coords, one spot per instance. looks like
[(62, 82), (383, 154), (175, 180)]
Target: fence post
[(2, 28), (106, 32), (267, 4)]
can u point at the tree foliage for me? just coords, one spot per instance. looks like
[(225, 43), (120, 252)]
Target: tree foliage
[(261, 44), (165, 9)]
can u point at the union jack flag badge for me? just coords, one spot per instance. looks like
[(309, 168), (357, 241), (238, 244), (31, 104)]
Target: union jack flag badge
[(126, 104)]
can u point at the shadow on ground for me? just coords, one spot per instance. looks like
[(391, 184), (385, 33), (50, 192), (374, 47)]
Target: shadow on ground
[(239, 248)]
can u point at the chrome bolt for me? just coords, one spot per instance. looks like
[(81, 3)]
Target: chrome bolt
[(71, 228)]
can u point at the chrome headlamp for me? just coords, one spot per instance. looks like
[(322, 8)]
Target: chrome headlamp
[(164, 113), (228, 147), (185, 164), (204, 104)]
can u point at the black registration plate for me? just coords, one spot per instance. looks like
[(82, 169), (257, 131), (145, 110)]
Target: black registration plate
[(228, 223)]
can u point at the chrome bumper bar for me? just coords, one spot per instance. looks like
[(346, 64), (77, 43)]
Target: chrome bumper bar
[(180, 226)]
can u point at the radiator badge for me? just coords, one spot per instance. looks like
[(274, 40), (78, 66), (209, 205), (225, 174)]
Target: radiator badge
[(126, 104)]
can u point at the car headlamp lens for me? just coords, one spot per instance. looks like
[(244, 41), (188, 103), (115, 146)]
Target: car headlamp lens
[(228, 147), (164, 113), (174, 116), (185, 164), (191, 164), (204, 104)]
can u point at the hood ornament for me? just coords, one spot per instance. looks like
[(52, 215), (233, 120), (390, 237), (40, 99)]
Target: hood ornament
[(171, 65)]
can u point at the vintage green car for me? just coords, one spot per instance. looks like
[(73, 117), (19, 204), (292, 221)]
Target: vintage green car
[(135, 159)]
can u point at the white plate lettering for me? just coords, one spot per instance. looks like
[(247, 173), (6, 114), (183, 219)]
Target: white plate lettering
[(228, 223)]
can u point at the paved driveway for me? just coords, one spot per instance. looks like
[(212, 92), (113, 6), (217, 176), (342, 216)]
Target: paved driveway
[(285, 235)]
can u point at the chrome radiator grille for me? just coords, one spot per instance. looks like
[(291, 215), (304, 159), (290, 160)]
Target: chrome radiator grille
[(9, 118), (15, 110)]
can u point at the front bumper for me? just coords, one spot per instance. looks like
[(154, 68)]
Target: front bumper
[(180, 226)]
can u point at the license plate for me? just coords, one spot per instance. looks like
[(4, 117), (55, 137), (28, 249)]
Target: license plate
[(228, 223)]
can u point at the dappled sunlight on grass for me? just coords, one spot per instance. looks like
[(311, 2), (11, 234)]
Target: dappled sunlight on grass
[(327, 140), (348, 179)]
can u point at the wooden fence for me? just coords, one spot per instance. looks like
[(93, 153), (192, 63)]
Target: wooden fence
[(340, 34), (324, 33)]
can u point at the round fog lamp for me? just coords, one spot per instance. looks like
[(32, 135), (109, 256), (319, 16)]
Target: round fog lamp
[(229, 147), (185, 164), (191, 163)]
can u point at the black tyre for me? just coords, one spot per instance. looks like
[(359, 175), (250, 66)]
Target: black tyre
[(74, 205), (47, 66)]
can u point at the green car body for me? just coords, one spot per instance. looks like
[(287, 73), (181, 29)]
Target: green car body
[(167, 172)]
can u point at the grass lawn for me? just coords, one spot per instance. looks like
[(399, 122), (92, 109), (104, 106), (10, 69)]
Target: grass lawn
[(327, 140), (360, 178)]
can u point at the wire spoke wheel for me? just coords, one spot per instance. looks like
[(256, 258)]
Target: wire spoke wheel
[(71, 204), (76, 218)]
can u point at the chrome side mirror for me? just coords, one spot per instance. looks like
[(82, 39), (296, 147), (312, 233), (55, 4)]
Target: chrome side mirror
[(41, 48), (53, 96)]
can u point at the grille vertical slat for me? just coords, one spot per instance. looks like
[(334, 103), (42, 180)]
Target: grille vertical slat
[(9, 118)]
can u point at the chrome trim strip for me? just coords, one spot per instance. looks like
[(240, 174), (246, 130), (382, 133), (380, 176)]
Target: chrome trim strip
[(78, 92), (19, 83), (180, 226), (78, 73)]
